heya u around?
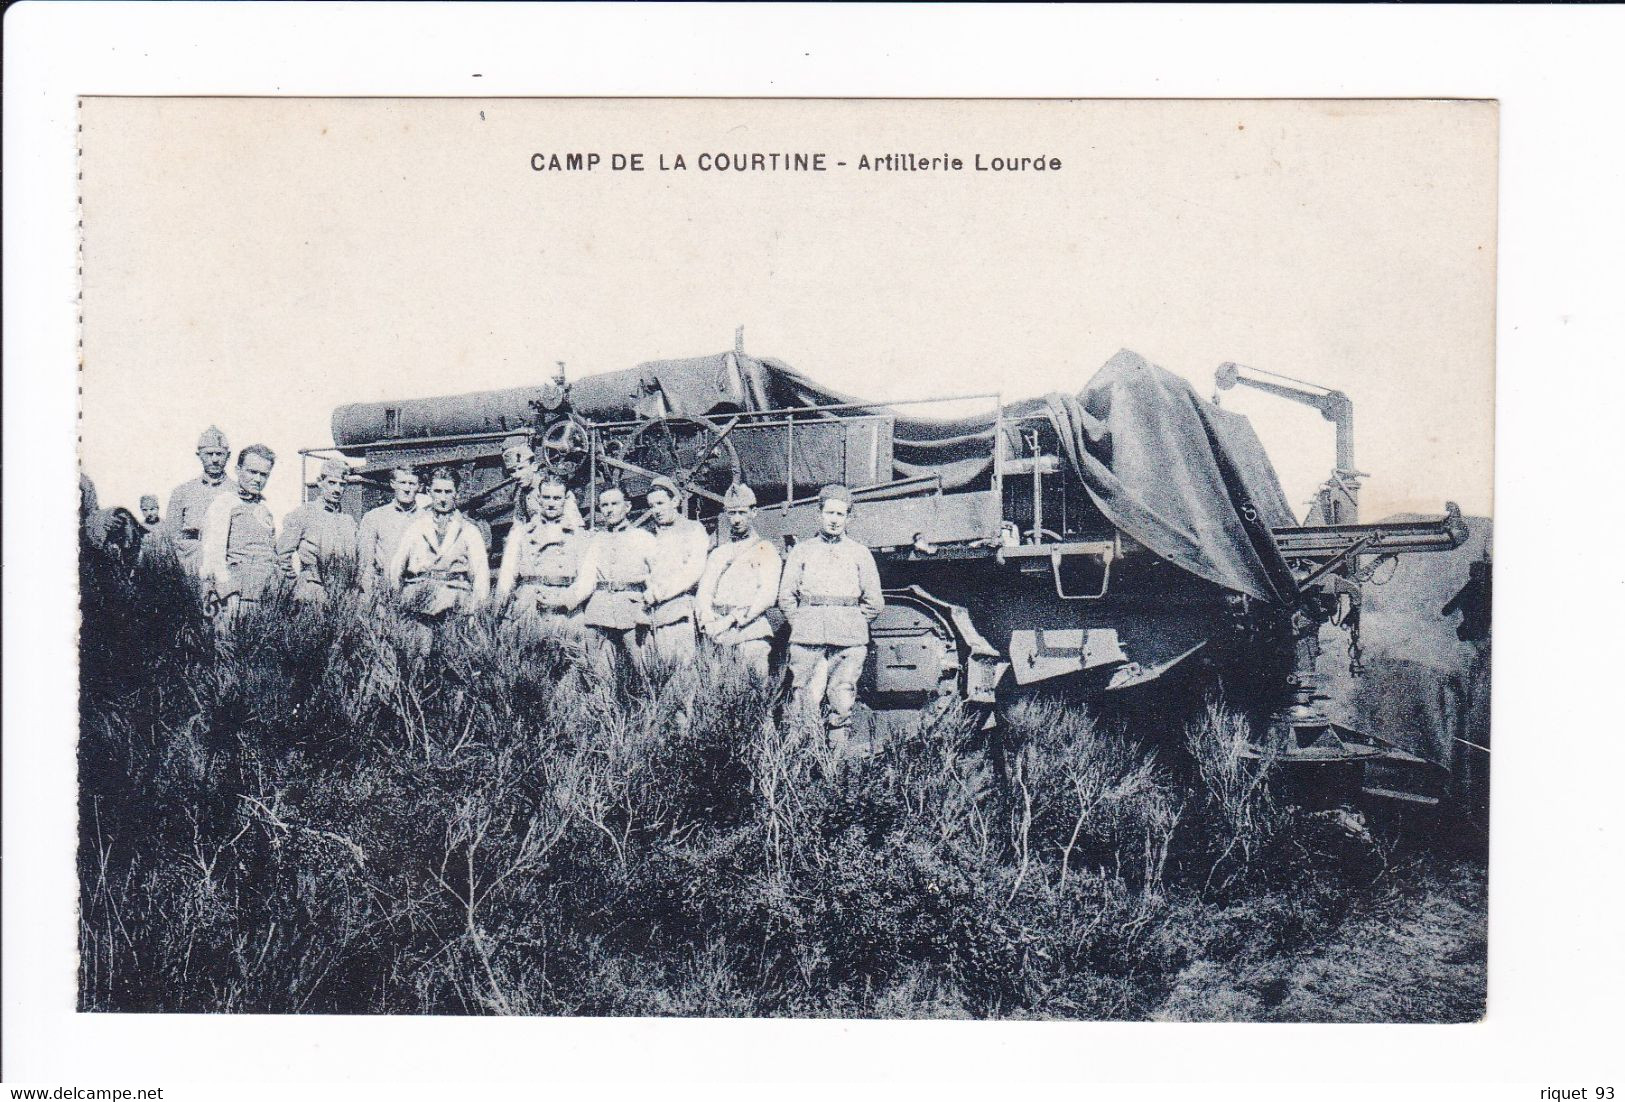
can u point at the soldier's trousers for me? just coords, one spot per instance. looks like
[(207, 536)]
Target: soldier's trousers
[(829, 673), (626, 645), (754, 654), (674, 640)]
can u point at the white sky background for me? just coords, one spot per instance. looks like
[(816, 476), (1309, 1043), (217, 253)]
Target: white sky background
[(257, 262)]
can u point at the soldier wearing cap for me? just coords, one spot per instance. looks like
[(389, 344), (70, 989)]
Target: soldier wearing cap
[(679, 560), (150, 517), (830, 592), (382, 528), (519, 464), (440, 566), (622, 559), (548, 567), (190, 501), (740, 583), (236, 553), (318, 542)]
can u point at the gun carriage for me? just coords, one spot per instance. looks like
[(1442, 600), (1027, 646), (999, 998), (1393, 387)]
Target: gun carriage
[(1130, 536)]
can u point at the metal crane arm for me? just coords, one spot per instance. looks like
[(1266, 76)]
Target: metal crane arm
[(1333, 405)]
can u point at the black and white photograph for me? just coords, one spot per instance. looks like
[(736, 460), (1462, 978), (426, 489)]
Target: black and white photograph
[(860, 559), (810, 551)]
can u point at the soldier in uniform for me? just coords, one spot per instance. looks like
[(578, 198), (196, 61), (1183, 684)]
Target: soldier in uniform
[(679, 560), (547, 564), (153, 533), (440, 566), (381, 530), (190, 501), (318, 542), (519, 464), (622, 559), (236, 553), (740, 583), (830, 592)]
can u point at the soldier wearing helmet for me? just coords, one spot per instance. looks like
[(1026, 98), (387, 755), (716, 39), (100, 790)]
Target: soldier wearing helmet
[(830, 592), (318, 542), (189, 502), (679, 560), (740, 583)]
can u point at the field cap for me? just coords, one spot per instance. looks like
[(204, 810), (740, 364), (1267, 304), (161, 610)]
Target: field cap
[(835, 493), (212, 438), (661, 482), (335, 466), (149, 501), (739, 496)]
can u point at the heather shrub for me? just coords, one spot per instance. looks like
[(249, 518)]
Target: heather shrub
[(319, 814)]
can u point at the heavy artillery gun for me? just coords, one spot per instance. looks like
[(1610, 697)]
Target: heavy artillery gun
[(1113, 543)]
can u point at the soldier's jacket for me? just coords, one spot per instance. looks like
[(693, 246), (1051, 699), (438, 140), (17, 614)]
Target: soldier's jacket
[(441, 573), (622, 561), (188, 507), (679, 560), (553, 557), (379, 537), (237, 549), (830, 591), (318, 546), (742, 574)]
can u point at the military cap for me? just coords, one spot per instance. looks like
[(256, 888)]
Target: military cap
[(516, 441), (835, 492), (149, 501), (335, 466), (739, 496), (212, 438), (661, 482)]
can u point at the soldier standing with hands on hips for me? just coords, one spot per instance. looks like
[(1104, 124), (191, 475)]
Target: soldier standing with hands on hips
[(830, 592)]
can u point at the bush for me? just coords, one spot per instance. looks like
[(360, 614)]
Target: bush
[(318, 816)]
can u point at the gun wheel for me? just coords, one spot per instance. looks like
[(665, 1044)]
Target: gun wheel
[(692, 453), (563, 448)]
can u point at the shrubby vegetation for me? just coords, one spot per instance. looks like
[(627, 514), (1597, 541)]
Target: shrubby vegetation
[(314, 819)]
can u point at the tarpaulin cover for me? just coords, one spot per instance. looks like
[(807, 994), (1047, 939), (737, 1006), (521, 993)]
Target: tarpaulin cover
[(1188, 480), (1185, 478)]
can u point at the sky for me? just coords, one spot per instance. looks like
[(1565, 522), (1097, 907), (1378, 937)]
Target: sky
[(254, 263)]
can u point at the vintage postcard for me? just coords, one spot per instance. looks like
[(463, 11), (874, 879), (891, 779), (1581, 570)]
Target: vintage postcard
[(786, 558)]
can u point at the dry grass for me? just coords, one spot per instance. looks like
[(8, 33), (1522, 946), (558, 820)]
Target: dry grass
[(314, 818)]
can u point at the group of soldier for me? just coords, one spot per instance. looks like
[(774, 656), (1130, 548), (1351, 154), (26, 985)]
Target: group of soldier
[(659, 589)]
